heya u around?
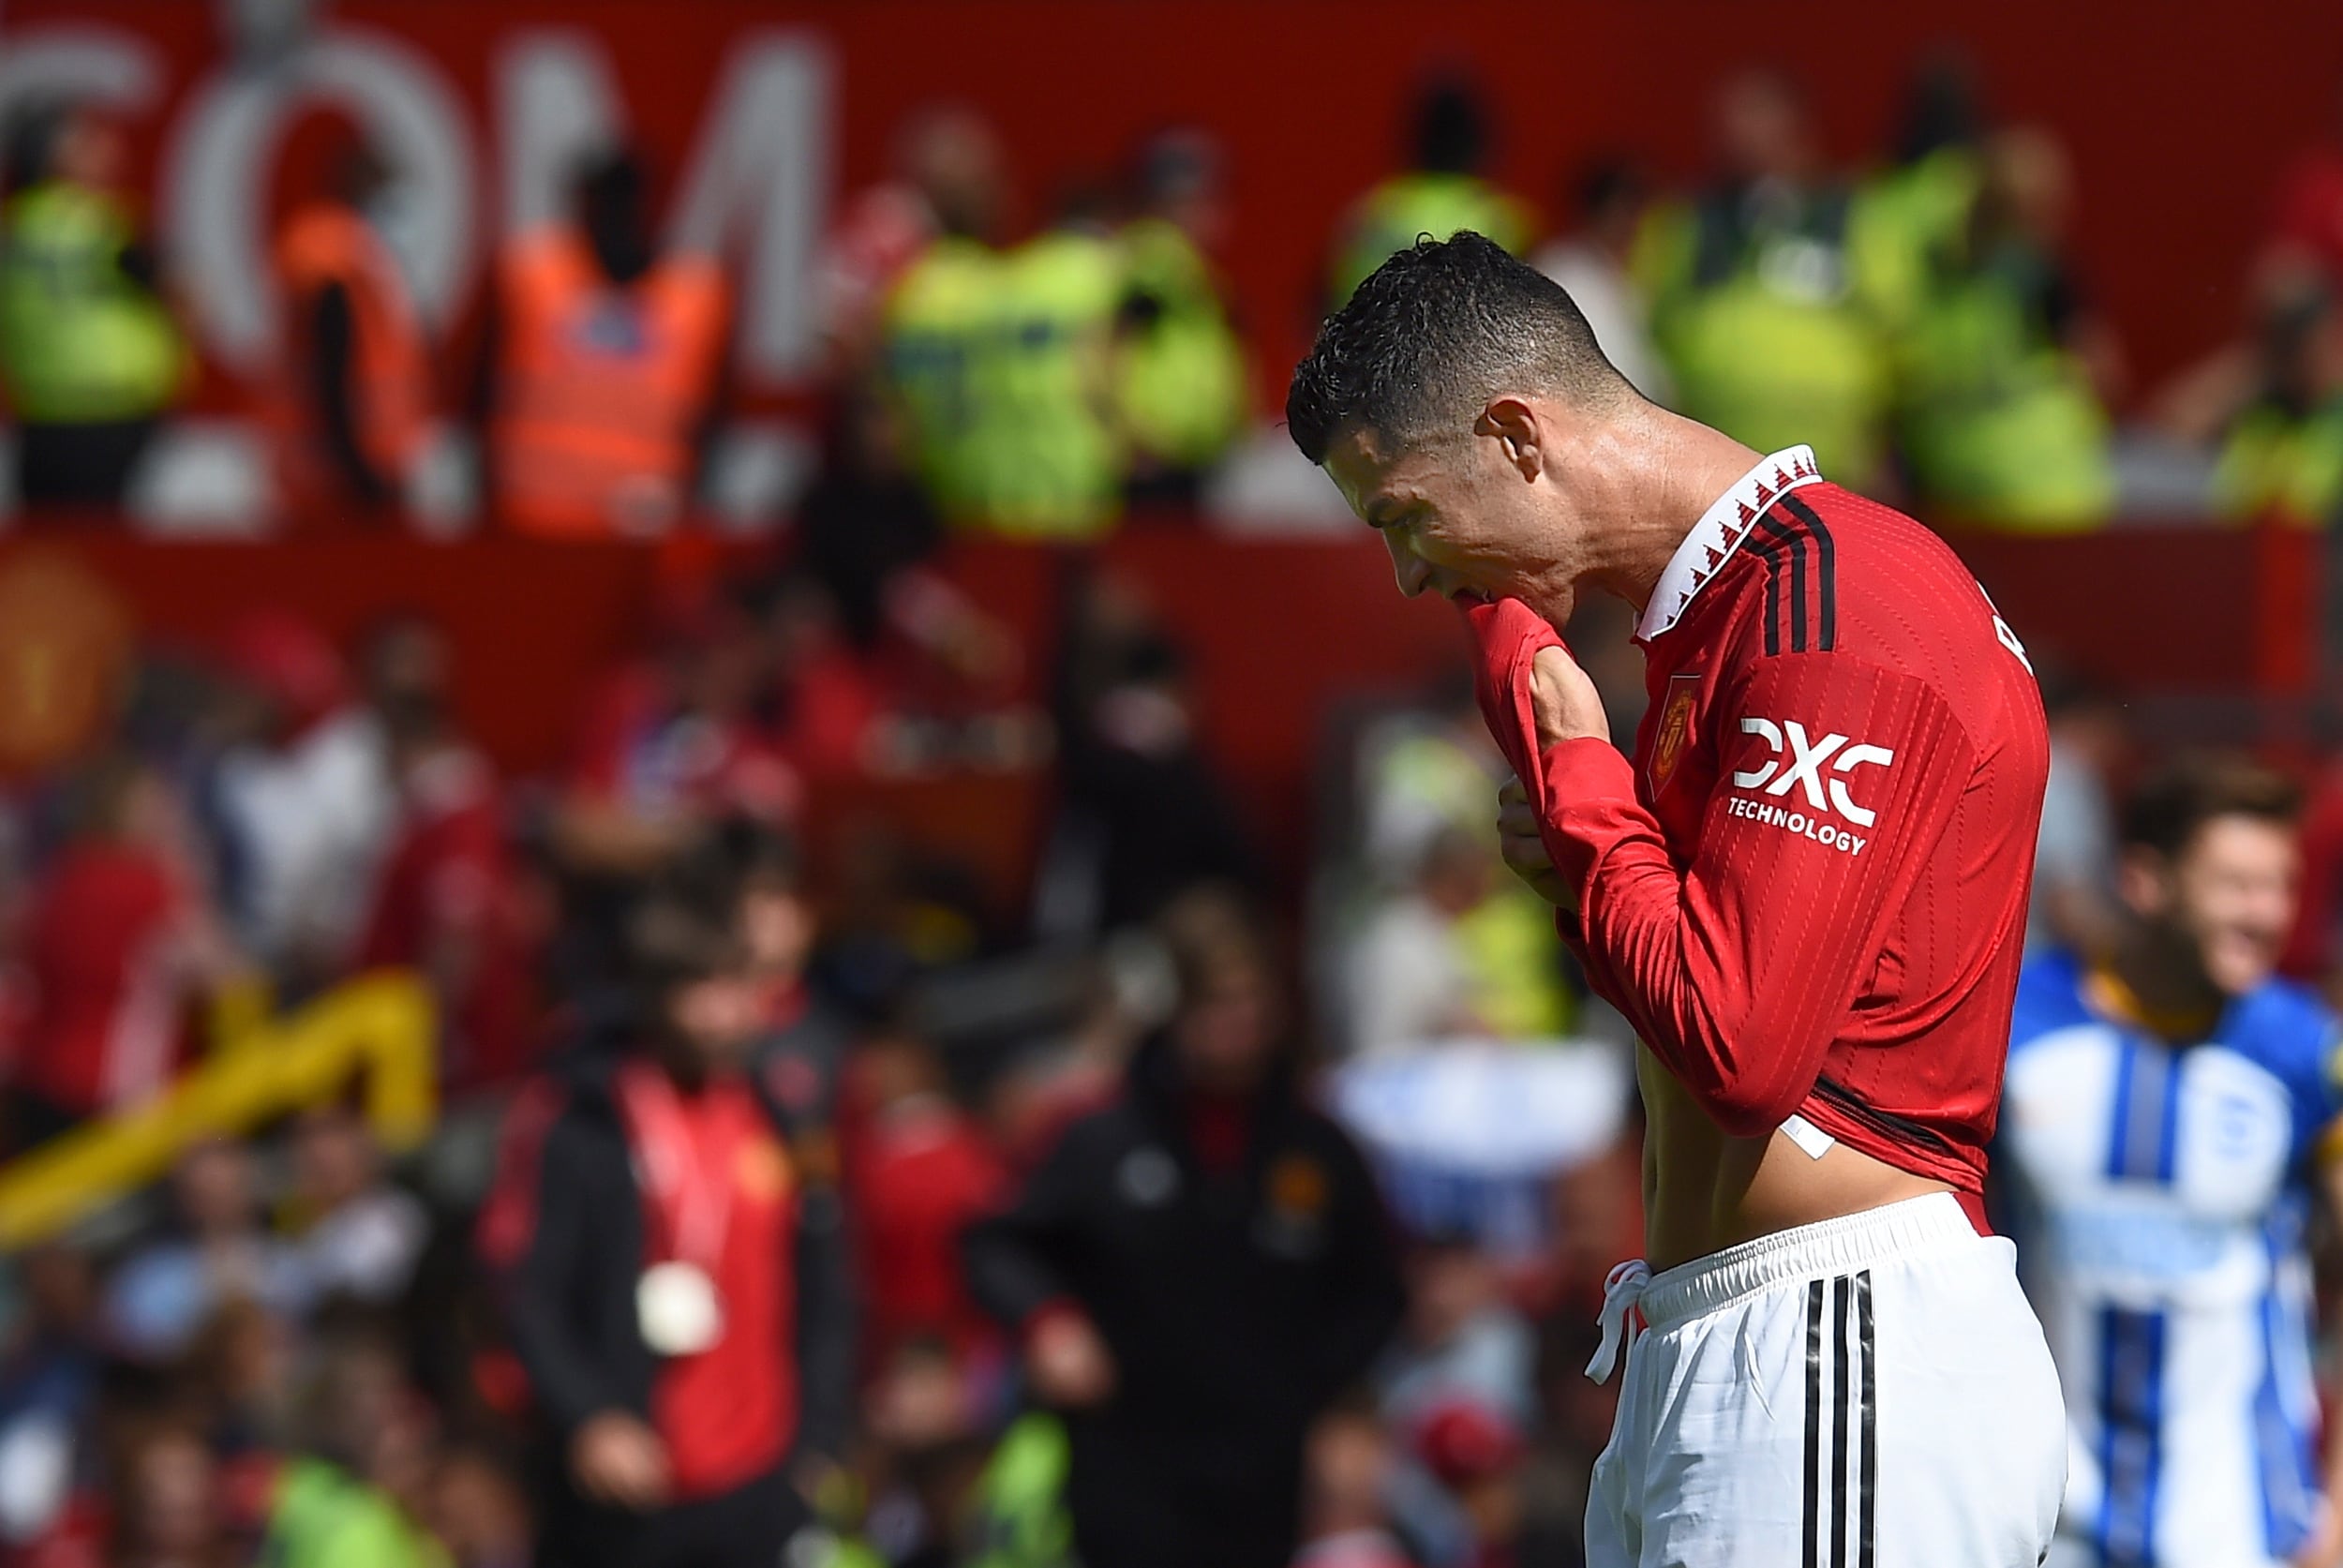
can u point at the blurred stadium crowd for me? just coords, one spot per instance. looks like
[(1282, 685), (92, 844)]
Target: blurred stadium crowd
[(1918, 321), (313, 1347)]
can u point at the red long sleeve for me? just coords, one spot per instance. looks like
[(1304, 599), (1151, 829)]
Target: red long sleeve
[(1739, 971), (1808, 893)]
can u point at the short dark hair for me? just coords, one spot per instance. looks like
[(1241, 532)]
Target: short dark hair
[(2174, 802), (1431, 335)]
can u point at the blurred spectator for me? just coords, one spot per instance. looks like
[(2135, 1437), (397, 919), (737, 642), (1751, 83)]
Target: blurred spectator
[(1144, 813), (1754, 299), (2004, 366), (88, 351), (1020, 1510), (352, 407), (1457, 955), (239, 1378), (355, 1234), (477, 1513), (1049, 453), (2273, 403), (676, 1287), (1180, 377), (2314, 950), (118, 943), (944, 181), (2169, 1117), (866, 521), (1477, 1453), (302, 797), (49, 1373), (352, 1496), (1611, 197), (451, 902), (1442, 192), (605, 358), (675, 741), (1346, 1478), (940, 314), (1918, 206), (1462, 1341), (2072, 903), (924, 1171), (216, 1252), (1196, 1272), (168, 1506), (2307, 224)]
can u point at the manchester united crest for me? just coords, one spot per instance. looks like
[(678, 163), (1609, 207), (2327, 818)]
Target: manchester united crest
[(1675, 731)]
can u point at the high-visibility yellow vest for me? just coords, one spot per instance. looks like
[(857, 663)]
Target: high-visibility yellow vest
[(80, 341), (936, 319), (1179, 369), (2000, 422), (1050, 464), (2282, 466), (1765, 331), (1391, 217)]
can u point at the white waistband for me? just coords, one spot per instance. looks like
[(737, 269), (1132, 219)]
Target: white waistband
[(1815, 1251)]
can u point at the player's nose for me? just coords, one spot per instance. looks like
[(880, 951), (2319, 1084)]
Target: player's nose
[(1411, 573)]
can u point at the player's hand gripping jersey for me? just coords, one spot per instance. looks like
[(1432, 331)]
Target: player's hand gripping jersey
[(1808, 893)]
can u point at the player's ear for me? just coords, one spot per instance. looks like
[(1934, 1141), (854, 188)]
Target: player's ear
[(1514, 424)]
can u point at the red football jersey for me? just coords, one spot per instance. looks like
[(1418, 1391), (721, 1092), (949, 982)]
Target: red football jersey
[(1808, 893)]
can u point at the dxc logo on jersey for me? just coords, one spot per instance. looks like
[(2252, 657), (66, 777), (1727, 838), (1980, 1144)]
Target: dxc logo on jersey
[(1808, 759)]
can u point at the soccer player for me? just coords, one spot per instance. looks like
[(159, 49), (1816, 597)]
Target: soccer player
[(2168, 1107), (1807, 893)]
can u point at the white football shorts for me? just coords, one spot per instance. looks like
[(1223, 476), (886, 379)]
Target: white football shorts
[(1871, 1392)]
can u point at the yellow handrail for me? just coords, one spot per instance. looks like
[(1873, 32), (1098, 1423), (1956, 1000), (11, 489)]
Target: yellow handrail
[(381, 1027)]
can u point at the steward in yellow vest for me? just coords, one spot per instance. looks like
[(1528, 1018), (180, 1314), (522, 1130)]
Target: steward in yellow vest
[(1181, 391), (88, 352), (1442, 193)]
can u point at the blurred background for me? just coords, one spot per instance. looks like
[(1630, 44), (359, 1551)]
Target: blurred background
[(475, 468)]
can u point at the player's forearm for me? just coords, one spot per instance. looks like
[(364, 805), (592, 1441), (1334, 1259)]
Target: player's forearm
[(1745, 1038)]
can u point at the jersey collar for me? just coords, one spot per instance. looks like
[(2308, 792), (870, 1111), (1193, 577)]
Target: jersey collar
[(1720, 532)]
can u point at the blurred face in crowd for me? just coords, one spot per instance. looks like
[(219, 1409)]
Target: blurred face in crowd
[(408, 670), (213, 1188), (715, 1018), (955, 161), (777, 927), (2229, 895), (1447, 1287), (90, 151), (1761, 128), (1455, 878), (477, 1513), (2027, 189), (1228, 1026), (1349, 1464), (60, 1288), (332, 1157), (1457, 516), (168, 1498)]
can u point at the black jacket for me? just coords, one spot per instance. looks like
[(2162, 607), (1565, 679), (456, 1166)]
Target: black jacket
[(570, 1292), (1237, 1306)]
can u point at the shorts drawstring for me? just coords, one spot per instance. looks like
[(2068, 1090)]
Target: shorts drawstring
[(1621, 1290)]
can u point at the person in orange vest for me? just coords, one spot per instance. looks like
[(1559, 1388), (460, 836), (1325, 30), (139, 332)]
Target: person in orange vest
[(352, 401), (605, 364)]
